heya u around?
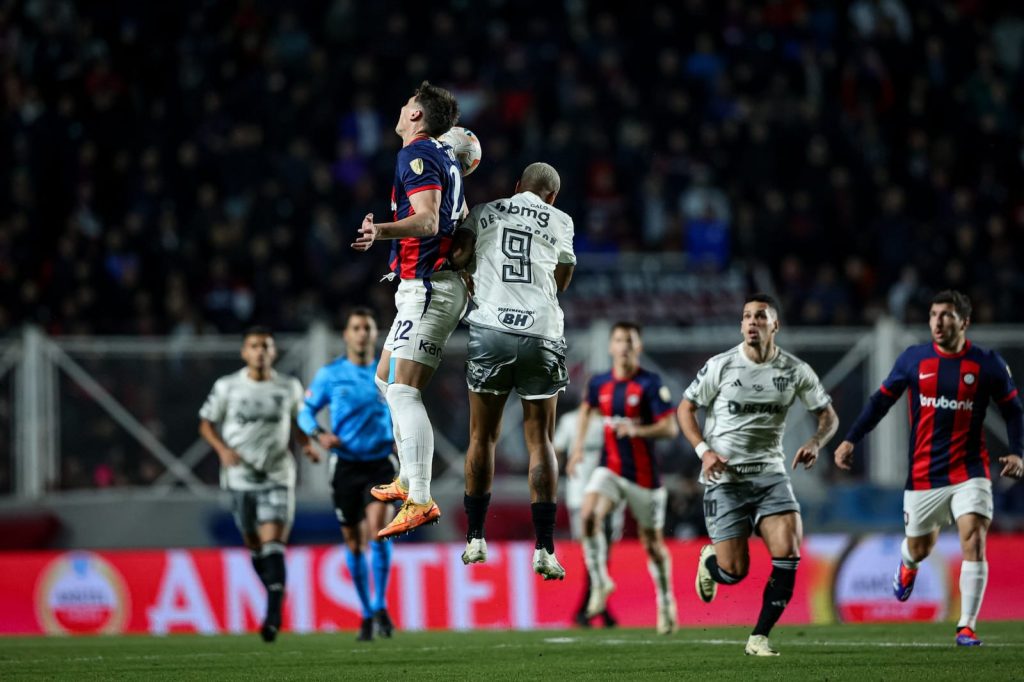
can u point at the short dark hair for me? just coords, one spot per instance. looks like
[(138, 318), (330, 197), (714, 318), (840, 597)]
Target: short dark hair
[(961, 303), (440, 108), (358, 311), (257, 330), (764, 298), (628, 326)]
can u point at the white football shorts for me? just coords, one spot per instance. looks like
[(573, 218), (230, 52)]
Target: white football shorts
[(427, 313), (575, 488), (646, 504), (927, 510)]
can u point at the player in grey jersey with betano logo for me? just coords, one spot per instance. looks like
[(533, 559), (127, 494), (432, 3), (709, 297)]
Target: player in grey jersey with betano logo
[(255, 409), (746, 393)]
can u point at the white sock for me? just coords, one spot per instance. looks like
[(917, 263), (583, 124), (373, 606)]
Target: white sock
[(908, 560), (973, 577), (661, 574), (416, 446), (382, 386), (595, 554)]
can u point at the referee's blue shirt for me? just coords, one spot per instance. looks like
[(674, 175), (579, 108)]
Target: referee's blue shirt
[(359, 414)]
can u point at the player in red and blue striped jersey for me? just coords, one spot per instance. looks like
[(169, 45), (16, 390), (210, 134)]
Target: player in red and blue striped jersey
[(951, 383), (636, 409), (427, 200)]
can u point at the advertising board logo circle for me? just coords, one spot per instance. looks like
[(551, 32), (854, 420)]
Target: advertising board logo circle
[(862, 591), (81, 593)]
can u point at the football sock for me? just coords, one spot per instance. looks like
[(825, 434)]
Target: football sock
[(719, 574), (360, 579), (416, 447), (382, 386), (908, 560), (274, 572), (257, 564), (380, 564), (476, 514), (595, 553), (777, 593), (661, 574), (973, 577), (543, 514)]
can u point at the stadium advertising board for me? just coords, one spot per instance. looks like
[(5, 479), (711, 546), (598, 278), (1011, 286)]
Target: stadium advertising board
[(216, 591)]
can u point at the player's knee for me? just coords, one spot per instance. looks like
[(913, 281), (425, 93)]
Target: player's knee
[(590, 522), (737, 568)]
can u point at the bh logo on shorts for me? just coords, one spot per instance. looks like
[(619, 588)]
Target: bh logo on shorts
[(81, 593)]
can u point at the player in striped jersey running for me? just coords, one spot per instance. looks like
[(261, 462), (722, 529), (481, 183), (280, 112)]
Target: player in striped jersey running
[(636, 409), (951, 383)]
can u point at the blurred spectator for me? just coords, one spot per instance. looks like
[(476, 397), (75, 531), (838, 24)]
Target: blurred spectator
[(199, 166)]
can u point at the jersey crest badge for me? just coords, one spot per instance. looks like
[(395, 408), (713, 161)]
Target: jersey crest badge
[(781, 384), (417, 166)]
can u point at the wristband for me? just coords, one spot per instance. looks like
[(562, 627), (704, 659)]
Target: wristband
[(701, 448)]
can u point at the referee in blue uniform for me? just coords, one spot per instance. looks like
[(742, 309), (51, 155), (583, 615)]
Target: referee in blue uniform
[(362, 455)]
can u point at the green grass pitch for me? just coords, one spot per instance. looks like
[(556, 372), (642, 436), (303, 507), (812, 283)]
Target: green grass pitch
[(834, 652)]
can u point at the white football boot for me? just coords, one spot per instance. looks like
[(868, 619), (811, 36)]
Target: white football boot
[(668, 617), (705, 584), (546, 565), (758, 645), (475, 552), (599, 593)]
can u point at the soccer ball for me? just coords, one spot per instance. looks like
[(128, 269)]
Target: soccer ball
[(466, 146)]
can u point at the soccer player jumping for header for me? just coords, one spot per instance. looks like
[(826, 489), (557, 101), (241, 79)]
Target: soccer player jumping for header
[(427, 201), (951, 382)]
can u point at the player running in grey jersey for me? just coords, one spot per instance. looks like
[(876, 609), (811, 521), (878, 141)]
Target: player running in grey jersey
[(522, 257), (746, 393), (256, 408)]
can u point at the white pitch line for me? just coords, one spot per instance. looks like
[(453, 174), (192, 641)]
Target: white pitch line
[(786, 643)]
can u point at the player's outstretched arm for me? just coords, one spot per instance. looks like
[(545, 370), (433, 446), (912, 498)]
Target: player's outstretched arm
[(665, 427), (581, 436), (422, 223), (828, 424), (227, 456), (712, 463)]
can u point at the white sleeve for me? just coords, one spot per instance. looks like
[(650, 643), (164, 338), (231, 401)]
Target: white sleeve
[(812, 394), (472, 221), (565, 251), (565, 432), (704, 387), (216, 405), (298, 396)]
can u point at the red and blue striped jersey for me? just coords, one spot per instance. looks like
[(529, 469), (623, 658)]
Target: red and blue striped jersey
[(425, 164), (641, 398), (948, 397)]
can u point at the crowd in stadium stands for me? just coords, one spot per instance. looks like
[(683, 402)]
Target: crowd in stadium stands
[(201, 166)]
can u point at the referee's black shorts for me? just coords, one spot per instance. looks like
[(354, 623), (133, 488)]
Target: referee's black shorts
[(351, 482)]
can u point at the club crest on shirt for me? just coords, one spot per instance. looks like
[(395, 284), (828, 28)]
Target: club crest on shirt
[(633, 400), (969, 378), (781, 383), (417, 166)]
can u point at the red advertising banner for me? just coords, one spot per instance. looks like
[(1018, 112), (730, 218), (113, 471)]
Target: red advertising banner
[(217, 591)]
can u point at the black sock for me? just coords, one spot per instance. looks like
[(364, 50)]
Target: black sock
[(257, 564), (274, 573), (476, 514), (719, 574), (544, 524), (777, 594)]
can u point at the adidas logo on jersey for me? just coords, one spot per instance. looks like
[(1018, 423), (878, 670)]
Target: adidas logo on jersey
[(944, 403), (737, 384)]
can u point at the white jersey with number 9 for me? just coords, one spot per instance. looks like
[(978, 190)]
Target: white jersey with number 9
[(519, 241)]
